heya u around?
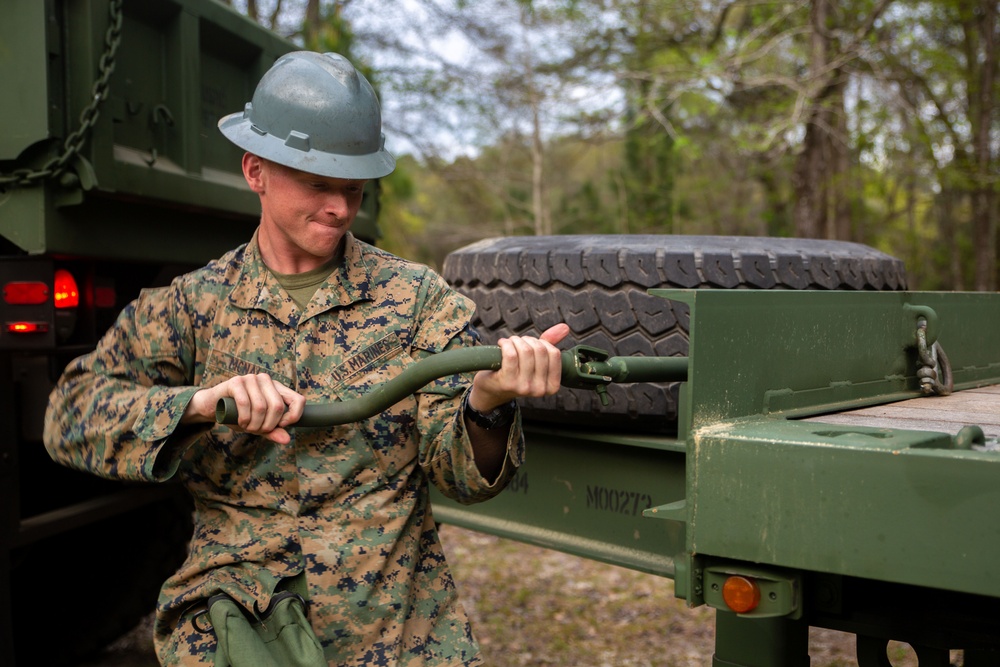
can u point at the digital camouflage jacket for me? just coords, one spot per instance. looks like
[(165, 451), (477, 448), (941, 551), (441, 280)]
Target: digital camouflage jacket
[(346, 505)]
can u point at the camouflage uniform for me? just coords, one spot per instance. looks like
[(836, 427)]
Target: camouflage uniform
[(346, 505)]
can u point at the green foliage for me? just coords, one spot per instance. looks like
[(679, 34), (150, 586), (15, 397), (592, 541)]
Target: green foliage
[(402, 230), (649, 176), (704, 128)]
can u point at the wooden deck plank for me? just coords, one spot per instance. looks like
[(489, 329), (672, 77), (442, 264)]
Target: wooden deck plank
[(992, 432), (944, 414)]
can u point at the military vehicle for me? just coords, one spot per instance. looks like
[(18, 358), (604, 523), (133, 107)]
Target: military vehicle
[(113, 178), (713, 431)]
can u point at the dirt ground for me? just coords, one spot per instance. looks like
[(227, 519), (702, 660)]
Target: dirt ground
[(537, 607)]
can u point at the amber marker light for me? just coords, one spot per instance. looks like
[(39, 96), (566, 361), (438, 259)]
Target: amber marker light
[(66, 293), (741, 594)]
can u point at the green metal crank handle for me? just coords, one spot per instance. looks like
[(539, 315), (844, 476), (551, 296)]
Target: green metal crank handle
[(582, 367)]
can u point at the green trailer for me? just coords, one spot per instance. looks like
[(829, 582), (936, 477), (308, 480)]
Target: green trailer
[(833, 464)]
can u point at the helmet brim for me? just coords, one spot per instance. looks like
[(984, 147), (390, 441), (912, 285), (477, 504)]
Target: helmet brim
[(238, 129)]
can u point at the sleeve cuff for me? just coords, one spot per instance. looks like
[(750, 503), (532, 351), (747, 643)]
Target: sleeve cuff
[(159, 424)]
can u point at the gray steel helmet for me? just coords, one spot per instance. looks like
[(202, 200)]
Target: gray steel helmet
[(316, 113)]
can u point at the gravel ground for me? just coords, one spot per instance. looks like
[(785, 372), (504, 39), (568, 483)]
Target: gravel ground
[(537, 607)]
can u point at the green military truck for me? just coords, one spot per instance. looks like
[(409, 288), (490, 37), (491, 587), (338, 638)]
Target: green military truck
[(767, 457), (113, 178)]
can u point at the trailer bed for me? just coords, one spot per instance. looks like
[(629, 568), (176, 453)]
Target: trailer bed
[(947, 414)]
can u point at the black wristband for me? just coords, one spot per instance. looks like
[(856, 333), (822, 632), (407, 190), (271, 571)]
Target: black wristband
[(499, 417)]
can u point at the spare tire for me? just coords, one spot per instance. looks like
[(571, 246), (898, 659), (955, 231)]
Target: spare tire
[(598, 285)]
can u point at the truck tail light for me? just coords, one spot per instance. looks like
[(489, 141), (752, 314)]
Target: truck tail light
[(25, 293), (27, 327), (65, 292), (741, 594), (37, 311)]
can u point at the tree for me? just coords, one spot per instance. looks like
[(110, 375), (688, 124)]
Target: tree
[(500, 75), (649, 160), (869, 120), (943, 65)]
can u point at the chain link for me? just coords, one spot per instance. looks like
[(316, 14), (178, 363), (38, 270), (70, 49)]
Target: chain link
[(934, 369), (88, 117)]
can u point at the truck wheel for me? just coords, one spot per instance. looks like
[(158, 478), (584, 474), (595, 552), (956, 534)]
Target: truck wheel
[(598, 285)]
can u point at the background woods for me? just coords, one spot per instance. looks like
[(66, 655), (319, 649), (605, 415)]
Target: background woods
[(865, 120)]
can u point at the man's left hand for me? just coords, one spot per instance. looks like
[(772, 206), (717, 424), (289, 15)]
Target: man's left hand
[(530, 367)]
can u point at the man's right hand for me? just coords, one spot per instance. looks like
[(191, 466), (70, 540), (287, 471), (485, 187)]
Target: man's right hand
[(264, 407)]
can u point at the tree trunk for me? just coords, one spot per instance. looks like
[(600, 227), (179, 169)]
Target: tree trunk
[(543, 220), (955, 280), (311, 24), (840, 178), (809, 178), (776, 213), (982, 108)]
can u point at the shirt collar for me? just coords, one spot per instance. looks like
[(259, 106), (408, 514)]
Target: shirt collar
[(257, 288), (350, 282)]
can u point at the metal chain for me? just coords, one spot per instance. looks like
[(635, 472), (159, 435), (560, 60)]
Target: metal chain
[(88, 117)]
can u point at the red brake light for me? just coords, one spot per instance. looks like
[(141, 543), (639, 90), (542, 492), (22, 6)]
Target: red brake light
[(27, 327), (25, 293), (67, 295)]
